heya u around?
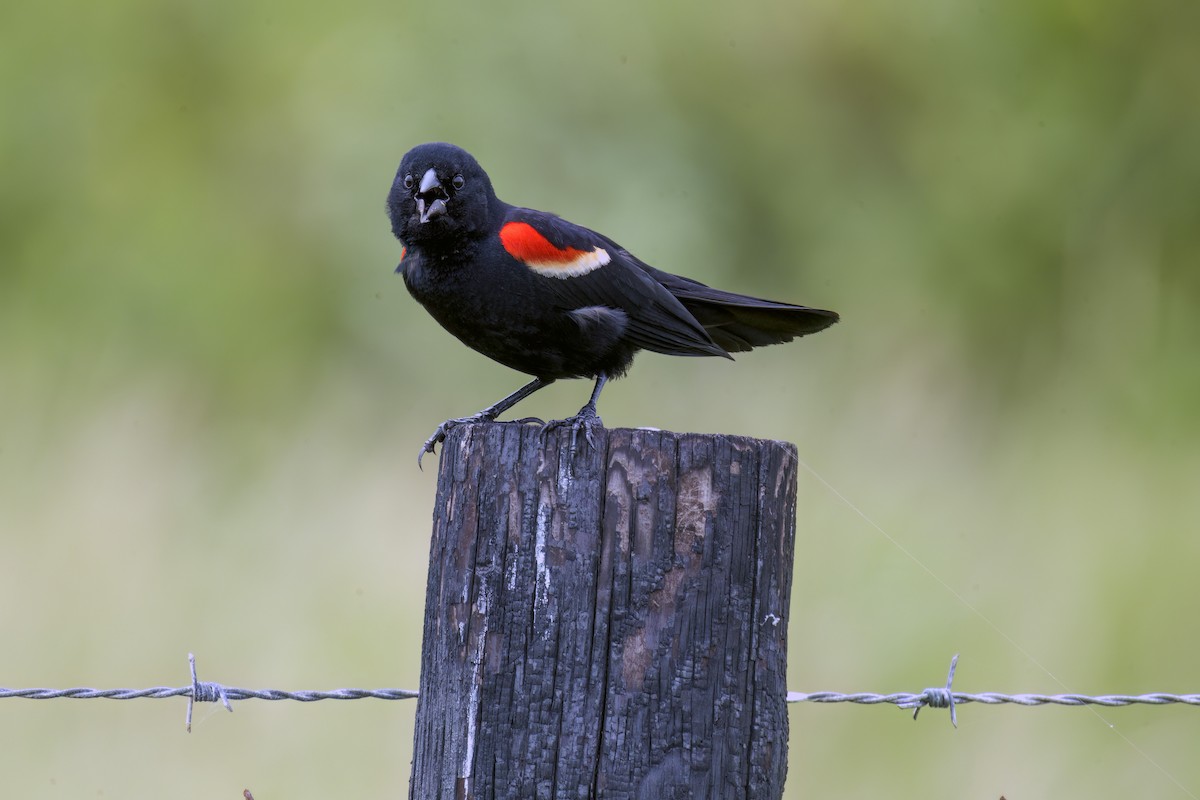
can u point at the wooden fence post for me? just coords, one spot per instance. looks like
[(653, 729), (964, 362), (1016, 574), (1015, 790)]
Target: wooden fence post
[(609, 621)]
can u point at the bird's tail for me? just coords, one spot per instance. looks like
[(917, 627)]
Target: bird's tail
[(738, 322)]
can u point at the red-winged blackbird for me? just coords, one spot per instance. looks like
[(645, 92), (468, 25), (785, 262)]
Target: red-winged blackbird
[(550, 298)]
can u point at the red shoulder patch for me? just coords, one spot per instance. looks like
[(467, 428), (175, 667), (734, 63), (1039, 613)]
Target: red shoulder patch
[(525, 244)]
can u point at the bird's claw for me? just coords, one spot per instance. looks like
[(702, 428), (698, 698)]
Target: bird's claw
[(443, 430), (431, 443), (587, 418)]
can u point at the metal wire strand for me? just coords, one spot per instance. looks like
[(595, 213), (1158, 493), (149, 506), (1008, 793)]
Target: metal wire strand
[(935, 697)]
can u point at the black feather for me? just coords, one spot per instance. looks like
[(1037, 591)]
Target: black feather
[(739, 322)]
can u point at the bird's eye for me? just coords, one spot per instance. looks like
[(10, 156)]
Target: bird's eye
[(408, 181), (457, 182)]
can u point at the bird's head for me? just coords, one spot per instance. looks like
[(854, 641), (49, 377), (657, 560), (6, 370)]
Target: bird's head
[(440, 195)]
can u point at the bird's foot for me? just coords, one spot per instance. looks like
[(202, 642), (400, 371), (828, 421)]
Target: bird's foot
[(587, 419), (444, 429)]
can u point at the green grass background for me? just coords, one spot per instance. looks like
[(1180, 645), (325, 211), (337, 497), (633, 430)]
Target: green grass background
[(212, 386)]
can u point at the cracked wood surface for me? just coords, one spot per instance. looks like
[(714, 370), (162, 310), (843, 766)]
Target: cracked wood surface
[(607, 621)]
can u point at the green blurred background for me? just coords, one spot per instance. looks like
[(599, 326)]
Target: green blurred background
[(212, 386)]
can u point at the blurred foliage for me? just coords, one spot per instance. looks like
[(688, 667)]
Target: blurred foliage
[(212, 386)]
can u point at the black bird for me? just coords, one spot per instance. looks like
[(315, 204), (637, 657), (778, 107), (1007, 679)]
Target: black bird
[(550, 298)]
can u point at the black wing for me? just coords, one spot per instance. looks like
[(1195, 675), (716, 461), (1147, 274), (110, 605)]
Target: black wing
[(739, 322), (586, 269)]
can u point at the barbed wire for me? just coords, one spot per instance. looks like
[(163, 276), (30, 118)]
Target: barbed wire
[(939, 697), (936, 697), (205, 692)]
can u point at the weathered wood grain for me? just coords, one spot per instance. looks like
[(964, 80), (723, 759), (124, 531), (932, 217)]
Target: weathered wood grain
[(608, 621)]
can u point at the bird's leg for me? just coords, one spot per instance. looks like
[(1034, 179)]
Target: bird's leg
[(587, 418), (487, 415)]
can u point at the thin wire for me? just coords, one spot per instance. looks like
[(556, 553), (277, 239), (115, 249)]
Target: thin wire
[(901, 699), (906, 700), (204, 692), (935, 697), (231, 693)]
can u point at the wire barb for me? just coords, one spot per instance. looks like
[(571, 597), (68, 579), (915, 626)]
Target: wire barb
[(937, 697), (204, 692)]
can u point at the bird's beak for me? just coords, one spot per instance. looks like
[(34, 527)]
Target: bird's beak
[(431, 190)]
